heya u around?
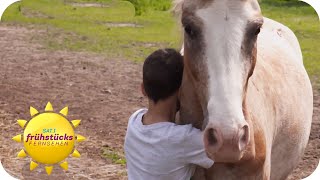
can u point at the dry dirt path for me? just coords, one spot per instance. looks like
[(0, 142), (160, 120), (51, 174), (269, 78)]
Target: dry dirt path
[(99, 91)]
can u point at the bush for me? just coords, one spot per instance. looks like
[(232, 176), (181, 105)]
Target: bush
[(141, 6), (161, 5)]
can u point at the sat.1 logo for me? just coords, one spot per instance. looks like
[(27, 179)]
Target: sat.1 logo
[(48, 138)]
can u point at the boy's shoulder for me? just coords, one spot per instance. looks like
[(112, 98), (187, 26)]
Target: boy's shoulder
[(137, 112), (183, 131), (169, 129), (178, 128)]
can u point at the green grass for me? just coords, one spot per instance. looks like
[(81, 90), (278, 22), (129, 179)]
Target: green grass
[(114, 156), (142, 6), (85, 29), (303, 20)]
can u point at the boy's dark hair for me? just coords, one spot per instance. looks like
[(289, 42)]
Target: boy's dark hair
[(162, 74)]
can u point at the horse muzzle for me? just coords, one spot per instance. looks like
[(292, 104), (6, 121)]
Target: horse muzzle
[(226, 144)]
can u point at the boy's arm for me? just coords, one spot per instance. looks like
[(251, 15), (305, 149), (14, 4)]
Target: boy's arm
[(194, 149)]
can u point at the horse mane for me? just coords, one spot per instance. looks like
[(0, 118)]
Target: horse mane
[(177, 7), (177, 11)]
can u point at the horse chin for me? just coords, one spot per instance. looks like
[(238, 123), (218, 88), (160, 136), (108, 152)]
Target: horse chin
[(226, 156)]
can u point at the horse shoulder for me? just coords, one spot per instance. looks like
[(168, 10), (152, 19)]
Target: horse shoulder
[(282, 38)]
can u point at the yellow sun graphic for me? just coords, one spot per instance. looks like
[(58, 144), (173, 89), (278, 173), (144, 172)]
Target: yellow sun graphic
[(48, 138)]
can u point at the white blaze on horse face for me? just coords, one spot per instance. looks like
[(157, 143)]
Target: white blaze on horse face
[(224, 30)]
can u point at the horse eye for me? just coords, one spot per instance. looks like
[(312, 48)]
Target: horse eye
[(257, 31), (188, 29)]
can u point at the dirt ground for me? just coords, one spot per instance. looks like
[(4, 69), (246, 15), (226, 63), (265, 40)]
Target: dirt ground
[(101, 92)]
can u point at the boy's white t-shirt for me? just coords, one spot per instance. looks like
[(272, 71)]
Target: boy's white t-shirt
[(163, 151)]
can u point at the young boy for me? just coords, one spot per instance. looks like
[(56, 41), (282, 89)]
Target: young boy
[(155, 147)]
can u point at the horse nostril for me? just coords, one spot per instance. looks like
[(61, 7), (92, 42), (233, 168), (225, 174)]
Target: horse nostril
[(212, 139), (243, 137)]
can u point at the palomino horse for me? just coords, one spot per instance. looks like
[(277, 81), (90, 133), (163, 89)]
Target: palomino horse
[(246, 87)]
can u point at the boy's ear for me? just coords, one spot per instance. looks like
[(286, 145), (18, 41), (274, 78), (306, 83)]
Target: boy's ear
[(143, 90)]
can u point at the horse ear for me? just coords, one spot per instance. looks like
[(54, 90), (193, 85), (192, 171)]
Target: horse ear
[(177, 7)]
